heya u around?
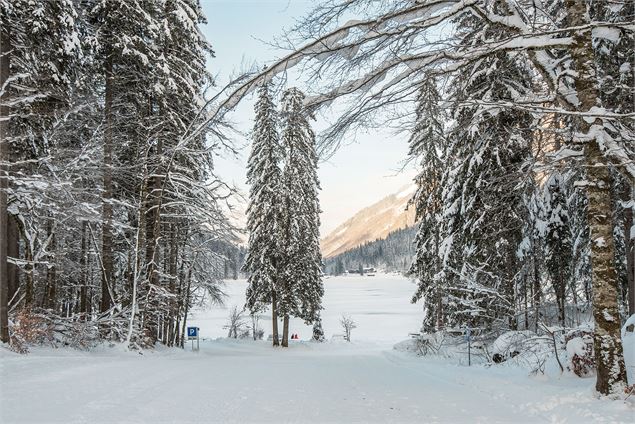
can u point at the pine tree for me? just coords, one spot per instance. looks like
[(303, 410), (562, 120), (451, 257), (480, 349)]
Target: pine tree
[(318, 331), (301, 287), (484, 188), (426, 147), (264, 214), (558, 246)]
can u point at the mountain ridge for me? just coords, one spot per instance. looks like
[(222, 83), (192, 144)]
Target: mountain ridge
[(371, 223)]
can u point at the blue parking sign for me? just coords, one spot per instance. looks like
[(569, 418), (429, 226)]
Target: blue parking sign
[(192, 331)]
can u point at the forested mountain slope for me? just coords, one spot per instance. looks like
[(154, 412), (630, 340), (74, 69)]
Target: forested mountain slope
[(392, 253), (371, 223)]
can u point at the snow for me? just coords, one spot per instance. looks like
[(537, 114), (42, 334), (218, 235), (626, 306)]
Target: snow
[(628, 342), (379, 305), (245, 381), (511, 341), (407, 192), (577, 346), (610, 34)]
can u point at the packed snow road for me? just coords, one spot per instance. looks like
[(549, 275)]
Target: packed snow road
[(241, 381), (244, 381)]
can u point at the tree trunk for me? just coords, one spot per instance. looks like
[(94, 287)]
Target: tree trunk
[(51, 277), (13, 251), (28, 271), (274, 320), (630, 255), (153, 232), (83, 290), (611, 374), (106, 231), (4, 184), (186, 305), (285, 331)]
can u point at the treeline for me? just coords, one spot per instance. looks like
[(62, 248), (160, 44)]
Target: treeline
[(394, 253), (109, 204)]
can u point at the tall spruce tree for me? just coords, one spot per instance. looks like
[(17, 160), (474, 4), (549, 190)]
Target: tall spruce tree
[(301, 288), (426, 147), (485, 182), (558, 246), (264, 213)]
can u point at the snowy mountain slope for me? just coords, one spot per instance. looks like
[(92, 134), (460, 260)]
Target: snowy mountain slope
[(371, 223)]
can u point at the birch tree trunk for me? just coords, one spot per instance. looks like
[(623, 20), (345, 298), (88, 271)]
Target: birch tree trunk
[(4, 182), (611, 374)]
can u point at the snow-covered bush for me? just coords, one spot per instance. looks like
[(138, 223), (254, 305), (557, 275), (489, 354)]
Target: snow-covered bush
[(348, 325), (33, 327), (525, 348), (79, 334), (426, 344), (236, 325), (318, 332), (579, 342), (29, 328), (429, 344), (509, 345)]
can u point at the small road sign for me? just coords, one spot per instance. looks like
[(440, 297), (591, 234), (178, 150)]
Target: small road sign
[(192, 332)]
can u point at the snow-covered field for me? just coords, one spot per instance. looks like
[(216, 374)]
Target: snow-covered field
[(379, 305), (245, 381)]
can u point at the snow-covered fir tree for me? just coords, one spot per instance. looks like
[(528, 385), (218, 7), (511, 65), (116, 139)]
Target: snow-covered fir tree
[(318, 331), (426, 147), (263, 263), (483, 188), (301, 289), (558, 246)]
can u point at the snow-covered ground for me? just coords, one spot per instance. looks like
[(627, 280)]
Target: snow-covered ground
[(245, 381), (380, 306)]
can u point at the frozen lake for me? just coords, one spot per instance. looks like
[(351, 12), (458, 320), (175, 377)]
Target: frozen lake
[(380, 306)]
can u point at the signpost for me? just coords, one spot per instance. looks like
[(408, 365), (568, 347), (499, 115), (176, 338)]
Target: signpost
[(192, 334)]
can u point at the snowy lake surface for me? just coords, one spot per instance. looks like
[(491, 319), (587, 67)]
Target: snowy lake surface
[(379, 305), (243, 381)]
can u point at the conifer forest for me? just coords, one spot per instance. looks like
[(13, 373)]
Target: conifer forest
[(173, 174)]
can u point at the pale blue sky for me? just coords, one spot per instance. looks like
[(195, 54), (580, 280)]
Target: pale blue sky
[(361, 172)]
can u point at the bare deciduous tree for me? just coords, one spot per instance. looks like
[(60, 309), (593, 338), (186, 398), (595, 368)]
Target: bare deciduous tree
[(347, 325)]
